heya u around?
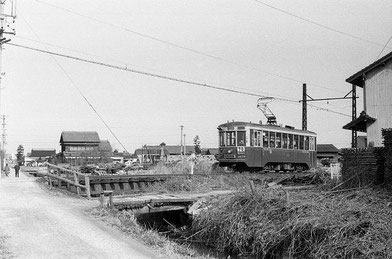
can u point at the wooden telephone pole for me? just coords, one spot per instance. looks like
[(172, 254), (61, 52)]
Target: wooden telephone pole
[(6, 16)]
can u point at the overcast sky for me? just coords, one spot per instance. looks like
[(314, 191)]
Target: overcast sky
[(235, 44)]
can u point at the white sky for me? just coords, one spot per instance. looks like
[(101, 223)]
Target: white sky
[(40, 99)]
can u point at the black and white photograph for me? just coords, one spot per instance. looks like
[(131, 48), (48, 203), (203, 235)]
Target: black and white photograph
[(196, 129)]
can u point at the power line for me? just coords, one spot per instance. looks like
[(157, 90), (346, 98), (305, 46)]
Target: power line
[(164, 76), (80, 92), (124, 63), (386, 44), (183, 47), (318, 24)]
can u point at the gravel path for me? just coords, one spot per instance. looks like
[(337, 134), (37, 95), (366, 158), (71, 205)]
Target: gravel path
[(43, 224)]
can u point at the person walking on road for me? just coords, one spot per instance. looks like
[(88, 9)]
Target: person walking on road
[(7, 170), (17, 167)]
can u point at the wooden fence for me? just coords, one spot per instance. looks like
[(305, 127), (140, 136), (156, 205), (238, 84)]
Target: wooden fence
[(70, 178)]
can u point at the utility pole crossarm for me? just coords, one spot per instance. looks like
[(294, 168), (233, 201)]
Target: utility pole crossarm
[(346, 97)]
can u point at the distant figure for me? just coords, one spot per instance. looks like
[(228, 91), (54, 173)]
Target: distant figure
[(7, 170), (192, 161), (17, 167)]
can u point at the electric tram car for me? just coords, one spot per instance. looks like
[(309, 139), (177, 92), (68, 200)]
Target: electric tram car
[(246, 145)]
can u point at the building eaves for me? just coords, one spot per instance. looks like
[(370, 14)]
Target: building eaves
[(358, 78)]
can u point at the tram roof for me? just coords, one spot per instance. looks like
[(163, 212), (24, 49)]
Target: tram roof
[(264, 126)]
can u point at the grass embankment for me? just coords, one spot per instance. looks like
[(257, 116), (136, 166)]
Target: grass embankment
[(270, 224), (126, 222), (4, 252)]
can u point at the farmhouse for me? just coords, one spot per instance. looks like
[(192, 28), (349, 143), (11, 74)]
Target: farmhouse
[(41, 154), (376, 82), (79, 143), (328, 152)]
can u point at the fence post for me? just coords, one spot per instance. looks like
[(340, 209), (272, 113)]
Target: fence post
[(87, 183), (111, 200), (59, 182), (76, 179)]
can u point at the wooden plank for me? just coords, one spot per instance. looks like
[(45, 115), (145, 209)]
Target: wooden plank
[(62, 179), (87, 186), (63, 169), (76, 179)]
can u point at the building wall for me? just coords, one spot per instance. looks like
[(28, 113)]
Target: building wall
[(378, 104)]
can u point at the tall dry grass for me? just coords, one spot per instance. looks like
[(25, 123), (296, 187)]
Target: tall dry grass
[(265, 224)]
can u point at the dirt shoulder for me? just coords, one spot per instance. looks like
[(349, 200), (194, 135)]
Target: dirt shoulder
[(37, 223)]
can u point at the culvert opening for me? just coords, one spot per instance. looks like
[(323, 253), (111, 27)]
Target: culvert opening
[(165, 222)]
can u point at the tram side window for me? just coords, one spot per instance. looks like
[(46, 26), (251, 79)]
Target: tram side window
[(241, 138), (221, 138), (272, 139), (295, 142), (312, 143), (265, 138), (290, 141), (252, 138), (301, 142), (258, 138), (278, 141), (306, 142), (230, 138), (284, 140)]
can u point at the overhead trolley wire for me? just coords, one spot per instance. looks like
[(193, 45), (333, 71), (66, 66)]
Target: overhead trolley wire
[(183, 47), (318, 24), (165, 76), (83, 96), (386, 44)]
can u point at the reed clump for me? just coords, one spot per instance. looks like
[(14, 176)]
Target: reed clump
[(308, 224)]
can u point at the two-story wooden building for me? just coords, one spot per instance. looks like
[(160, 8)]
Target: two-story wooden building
[(80, 143), (376, 82)]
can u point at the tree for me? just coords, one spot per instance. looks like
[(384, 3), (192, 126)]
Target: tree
[(20, 155), (196, 141)]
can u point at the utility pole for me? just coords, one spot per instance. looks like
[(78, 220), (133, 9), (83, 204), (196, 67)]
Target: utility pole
[(184, 145), (346, 97), (354, 134), (4, 134), (182, 128), (304, 109), (5, 16)]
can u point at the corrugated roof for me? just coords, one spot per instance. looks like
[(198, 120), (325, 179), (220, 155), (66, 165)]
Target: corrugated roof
[(357, 78), (42, 152), (327, 148), (79, 136)]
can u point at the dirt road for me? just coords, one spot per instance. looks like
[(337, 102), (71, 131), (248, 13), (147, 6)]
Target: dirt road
[(41, 224)]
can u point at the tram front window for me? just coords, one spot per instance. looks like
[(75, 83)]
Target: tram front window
[(230, 138), (241, 138)]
